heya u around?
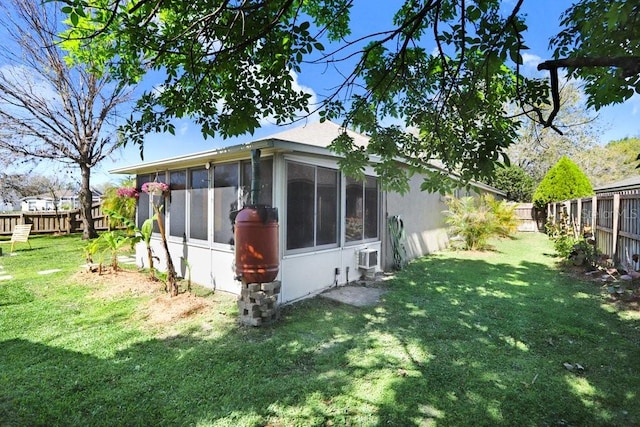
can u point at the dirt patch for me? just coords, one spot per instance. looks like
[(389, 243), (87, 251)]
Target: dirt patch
[(165, 309), (114, 284), (162, 309), (623, 295)]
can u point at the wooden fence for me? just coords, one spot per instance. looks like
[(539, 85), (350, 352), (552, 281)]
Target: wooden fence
[(529, 218), (613, 218), (50, 222)]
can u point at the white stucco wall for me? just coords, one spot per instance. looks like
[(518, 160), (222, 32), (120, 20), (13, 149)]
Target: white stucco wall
[(302, 275), (424, 225), (307, 274), (212, 268)]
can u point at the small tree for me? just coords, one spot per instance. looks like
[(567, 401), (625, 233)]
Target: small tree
[(564, 181), (514, 181), (160, 189)]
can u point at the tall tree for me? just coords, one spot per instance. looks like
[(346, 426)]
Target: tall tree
[(515, 182), (577, 129), (612, 162), (446, 67), (50, 109)]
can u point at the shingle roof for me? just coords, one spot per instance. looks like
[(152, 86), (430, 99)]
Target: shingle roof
[(318, 134), (632, 183)]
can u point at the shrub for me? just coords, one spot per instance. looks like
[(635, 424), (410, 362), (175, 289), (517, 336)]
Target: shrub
[(504, 212), (569, 244), (515, 182), (476, 220), (564, 181)]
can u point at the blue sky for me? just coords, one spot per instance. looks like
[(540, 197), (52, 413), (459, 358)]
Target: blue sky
[(543, 18)]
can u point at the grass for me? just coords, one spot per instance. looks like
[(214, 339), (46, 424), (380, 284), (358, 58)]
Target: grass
[(461, 339)]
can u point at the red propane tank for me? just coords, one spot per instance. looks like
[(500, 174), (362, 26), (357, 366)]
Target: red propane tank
[(256, 241)]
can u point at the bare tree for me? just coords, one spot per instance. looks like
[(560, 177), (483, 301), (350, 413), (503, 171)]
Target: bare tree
[(49, 109)]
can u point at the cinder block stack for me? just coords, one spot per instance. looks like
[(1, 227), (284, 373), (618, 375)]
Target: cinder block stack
[(258, 303)]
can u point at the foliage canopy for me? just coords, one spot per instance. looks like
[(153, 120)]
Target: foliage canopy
[(446, 68), (515, 182), (564, 181)]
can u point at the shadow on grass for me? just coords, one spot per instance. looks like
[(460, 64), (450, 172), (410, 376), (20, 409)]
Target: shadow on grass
[(499, 336), (455, 342)]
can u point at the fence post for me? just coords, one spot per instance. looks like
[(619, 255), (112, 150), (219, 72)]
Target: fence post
[(594, 215), (616, 225), (67, 222), (579, 216)]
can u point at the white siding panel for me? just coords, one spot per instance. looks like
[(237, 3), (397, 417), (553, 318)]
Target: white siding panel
[(307, 274)]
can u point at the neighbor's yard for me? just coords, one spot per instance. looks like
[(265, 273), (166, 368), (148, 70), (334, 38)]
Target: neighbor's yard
[(459, 339)]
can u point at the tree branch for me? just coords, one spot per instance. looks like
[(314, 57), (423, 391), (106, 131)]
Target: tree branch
[(629, 65)]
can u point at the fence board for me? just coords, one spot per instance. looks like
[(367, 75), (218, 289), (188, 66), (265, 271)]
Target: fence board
[(529, 218), (49, 222), (617, 223)]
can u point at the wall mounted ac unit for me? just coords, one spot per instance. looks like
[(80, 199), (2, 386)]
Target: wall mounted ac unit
[(368, 258)]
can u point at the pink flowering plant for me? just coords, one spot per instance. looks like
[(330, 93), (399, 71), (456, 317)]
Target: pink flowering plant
[(127, 192), (155, 188)]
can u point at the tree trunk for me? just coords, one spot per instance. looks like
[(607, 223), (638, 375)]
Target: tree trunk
[(172, 281), (152, 270), (86, 201)]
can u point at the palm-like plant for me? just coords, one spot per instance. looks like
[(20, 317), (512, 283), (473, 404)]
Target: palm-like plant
[(109, 242), (121, 201), (476, 219)]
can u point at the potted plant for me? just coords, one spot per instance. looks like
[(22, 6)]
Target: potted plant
[(155, 188)]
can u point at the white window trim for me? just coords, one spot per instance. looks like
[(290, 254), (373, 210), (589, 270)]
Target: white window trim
[(316, 164)]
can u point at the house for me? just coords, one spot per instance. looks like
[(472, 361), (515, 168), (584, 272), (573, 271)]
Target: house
[(63, 199), (629, 185), (332, 229)]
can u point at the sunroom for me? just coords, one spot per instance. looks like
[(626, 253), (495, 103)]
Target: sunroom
[(332, 228)]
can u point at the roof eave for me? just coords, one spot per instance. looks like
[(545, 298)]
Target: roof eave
[(191, 160)]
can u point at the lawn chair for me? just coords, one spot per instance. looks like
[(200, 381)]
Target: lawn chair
[(20, 235)]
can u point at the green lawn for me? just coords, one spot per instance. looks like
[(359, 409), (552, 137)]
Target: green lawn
[(459, 340)]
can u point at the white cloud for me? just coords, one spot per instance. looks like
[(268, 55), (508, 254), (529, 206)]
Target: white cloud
[(530, 60), (28, 80)]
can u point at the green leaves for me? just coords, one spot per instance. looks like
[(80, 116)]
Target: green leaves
[(564, 181), (447, 70), (598, 29), (474, 220), (225, 73)]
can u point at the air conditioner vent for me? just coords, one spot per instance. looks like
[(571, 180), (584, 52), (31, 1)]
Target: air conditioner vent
[(368, 258)]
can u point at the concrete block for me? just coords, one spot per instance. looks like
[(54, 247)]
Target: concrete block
[(273, 287), (268, 313), (257, 297)]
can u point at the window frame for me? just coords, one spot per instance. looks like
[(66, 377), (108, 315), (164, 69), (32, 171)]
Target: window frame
[(364, 187), (170, 220), (242, 197), (338, 203), (212, 187)]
